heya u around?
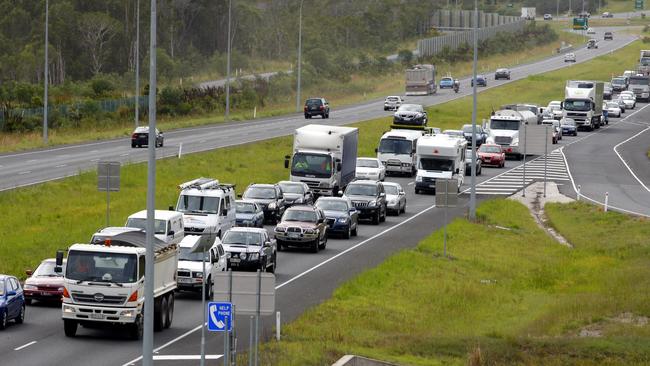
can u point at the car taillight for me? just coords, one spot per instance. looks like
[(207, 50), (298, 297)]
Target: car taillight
[(66, 294), (133, 297), (322, 107), (134, 136)]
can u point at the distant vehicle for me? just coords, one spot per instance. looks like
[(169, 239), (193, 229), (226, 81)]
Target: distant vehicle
[(492, 154), (302, 226), (440, 157), (340, 215), (269, 197), (369, 198), (613, 109), (554, 110), (607, 15), (569, 127), (481, 80), (557, 130), (570, 57), (502, 73), (591, 31), (250, 249), (140, 137), (619, 83), (249, 214), (504, 129), (455, 133), (530, 107), (609, 36), (583, 102), (592, 43), (410, 114), (12, 301), (548, 17), (447, 82), (397, 150), (317, 107), (607, 91), (421, 80), (629, 101), (168, 225), (44, 284), (296, 193), (370, 168), (528, 13), (584, 14), (640, 87), (435, 130), (481, 135), (393, 102), (629, 73), (468, 162), (629, 93), (395, 198), (190, 275), (621, 104)]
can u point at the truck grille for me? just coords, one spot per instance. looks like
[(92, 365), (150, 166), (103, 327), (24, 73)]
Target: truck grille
[(183, 274), (394, 162), (503, 140), (194, 229), (98, 298), (311, 183), (428, 180)]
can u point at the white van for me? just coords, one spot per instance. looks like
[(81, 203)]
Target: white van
[(168, 224), (397, 151)]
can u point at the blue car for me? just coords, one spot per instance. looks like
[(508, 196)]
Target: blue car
[(447, 82), (248, 214), (481, 80), (12, 301), (340, 215)]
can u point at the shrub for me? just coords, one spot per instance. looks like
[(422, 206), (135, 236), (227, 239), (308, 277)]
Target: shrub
[(101, 86)]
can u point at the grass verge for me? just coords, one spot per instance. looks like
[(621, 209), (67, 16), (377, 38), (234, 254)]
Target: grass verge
[(511, 297), (43, 218)]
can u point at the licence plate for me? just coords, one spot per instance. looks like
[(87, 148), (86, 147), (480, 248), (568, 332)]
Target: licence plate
[(432, 186), (294, 235), (184, 280), (96, 316), (234, 260)]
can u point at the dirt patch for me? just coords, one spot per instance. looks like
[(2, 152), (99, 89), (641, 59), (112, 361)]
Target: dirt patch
[(597, 329)]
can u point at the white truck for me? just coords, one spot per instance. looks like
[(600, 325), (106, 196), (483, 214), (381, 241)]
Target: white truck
[(583, 102), (504, 127), (644, 63), (421, 80), (528, 13), (190, 275), (208, 207), (104, 281), (324, 157), (397, 151), (168, 224), (439, 157)]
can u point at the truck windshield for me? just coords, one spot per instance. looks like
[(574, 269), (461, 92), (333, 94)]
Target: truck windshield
[(436, 164), (159, 225), (645, 61), (197, 204), (498, 124), (577, 105), (101, 267), (639, 81), (186, 254), (395, 146), (311, 165)]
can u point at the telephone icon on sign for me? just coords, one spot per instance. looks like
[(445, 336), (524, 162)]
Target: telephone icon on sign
[(219, 316), (213, 317)]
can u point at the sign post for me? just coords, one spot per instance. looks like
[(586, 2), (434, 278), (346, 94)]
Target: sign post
[(108, 180), (220, 315), (446, 198), (639, 5)]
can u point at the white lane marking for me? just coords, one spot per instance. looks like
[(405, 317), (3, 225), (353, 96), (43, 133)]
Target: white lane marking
[(184, 357), (411, 183), (125, 154), (24, 346), (25, 172), (61, 165), (625, 163), (296, 277), (31, 161), (94, 160)]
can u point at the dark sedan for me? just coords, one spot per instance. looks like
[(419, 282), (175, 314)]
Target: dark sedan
[(340, 215), (481, 135), (481, 80), (410, 114), (12, 301), (502, 74), (140, 137)]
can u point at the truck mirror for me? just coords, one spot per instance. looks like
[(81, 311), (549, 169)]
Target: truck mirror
[(457, 170), (171, 208), (170, 233), (29, 272), (59, 258), (58, 269), (224, 212), (376, 150), (286, 162), (338, 167)]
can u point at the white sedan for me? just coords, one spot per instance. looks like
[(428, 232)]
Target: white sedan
[(613, 109), (570, 57), (370, 168), (630, 93), (629, 101), (395, 198)]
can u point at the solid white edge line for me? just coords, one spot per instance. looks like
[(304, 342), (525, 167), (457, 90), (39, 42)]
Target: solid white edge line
[(623, 160), (184, 357), (297, 276), (24, 346)]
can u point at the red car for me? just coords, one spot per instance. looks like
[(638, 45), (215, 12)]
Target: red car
[(492, 155), (44, 284)]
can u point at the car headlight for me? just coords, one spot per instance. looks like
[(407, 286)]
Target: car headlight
[(418, 178), (128, 313), (372, 203), (515, 142), (298, 200), (342, 219), (61, 288), (310, 231), (280, 229), (30, 287), (242, 255), (253, 256), (68, 309), (197, 274), (272, 206)]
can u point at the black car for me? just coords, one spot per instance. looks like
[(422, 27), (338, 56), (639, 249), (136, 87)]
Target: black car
[(609, 36), (340, 215), (481, 135), (296, 193), (481, 80), (502, 74), (250, 249), (140, 137), (369, 198), (410, 114), (317, 107), (269, 197)]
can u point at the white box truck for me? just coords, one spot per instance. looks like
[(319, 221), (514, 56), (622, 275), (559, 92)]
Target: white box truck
[(439, 157), (583, 102), (104, 281), (324, 157), (421, 80), (644, 63), (528, 13), (397, 151), (504, 128)]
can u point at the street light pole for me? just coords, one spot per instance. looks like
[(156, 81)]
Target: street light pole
[(298, 98), (228, 63), (472, 200), (46, 69), (137, 63)]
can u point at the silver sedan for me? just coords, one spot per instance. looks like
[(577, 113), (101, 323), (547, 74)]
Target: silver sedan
[(395, 198)]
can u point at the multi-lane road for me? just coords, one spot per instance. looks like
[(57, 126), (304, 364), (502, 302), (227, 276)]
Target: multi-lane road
[(603, 160)]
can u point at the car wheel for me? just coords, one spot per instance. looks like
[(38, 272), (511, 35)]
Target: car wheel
[(28, 301), (417, 191), (70, 327), (323, 245), (314, 246), (404, 208), (170, 309), (133, 145), (3, 320), (21, 317), (348, 233), (375, 219), (137, 328), (382, 218), (162, 143), (478, 171), (356, 229)]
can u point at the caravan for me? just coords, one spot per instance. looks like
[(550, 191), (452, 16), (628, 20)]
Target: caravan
[(439, 157)]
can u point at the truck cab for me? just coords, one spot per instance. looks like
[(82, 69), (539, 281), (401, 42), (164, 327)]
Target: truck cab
[(397, 151), (439, 157), (583, 102), (504, 129), (640, 85)]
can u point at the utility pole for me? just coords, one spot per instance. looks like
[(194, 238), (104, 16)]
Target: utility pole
[(137, 63), (46, 69), (472, 199), (298, 98), (147, 343), (228, 63)]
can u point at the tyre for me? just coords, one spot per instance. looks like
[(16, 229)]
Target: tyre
[(382, 217), (170, 309), (323, 245), (3, 320), (208, 289), (70, 327), (133, 145), (478, 172), (376, 219), (275, 263), (404, 208), (306, 116), (164, 309), (21, 317), (28, 301), (356, 229), (417, 191), (157, 315), (348, 233), (314, 246), (162, 143), (137, 328)]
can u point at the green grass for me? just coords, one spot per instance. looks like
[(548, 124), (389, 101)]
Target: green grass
[(340, 94), (50, 216), (517, 295)]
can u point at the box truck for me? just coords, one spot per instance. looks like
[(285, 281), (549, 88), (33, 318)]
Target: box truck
[(528, 13), (583, 102), (439, 157), (421, 80)]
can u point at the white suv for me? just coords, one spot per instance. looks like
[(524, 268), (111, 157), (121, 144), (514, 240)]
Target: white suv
[(392, 103)]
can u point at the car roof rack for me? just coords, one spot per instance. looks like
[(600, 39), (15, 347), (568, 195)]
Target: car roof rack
[(206, 183)]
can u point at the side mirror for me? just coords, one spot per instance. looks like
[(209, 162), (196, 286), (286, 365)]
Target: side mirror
[(224, 212), (58, 269), (170, 233), (382, 194), (338, 167), (171, 208), (321, 220), (340, 193), (376, 150), (286, 162), (267, 244), (457, 170), (213, 258), (59, 258), (29, 272), (239, 196)]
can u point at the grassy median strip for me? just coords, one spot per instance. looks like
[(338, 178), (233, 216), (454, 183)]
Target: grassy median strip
[(508, 297), (39, 220)]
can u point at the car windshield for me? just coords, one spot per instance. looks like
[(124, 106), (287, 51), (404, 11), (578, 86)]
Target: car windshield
[(311, 165), (468, 129), (392, 99), (332, 205), (2, 287), (618, 81), (260, 193), (612, 105), (367, 163), (391, 189), (554, 107), (394, 146), (409, 108), (299, 215), (292, 188), (186, 254), (497, 124), (361, 190), (568, 122), (159, 225), (46, 269), (245, 207), (101, 267), (490, 149), (313, 102), (577, 105), (446, 80), (197, 204), (242, 238), (436, 164)]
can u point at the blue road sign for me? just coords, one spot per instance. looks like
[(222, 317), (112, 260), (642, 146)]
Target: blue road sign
[(219, 316)]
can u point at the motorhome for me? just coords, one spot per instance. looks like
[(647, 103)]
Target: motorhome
[(439, 157), (583, 102), (397, 151), (504, 128)]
